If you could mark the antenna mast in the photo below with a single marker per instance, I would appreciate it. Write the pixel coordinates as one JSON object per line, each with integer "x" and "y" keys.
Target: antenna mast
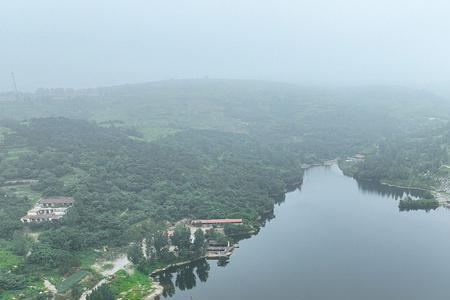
{"x": 15, "y": 85}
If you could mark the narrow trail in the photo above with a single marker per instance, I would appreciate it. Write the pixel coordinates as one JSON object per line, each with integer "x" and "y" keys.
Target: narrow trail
{"x": 119, "y": 263}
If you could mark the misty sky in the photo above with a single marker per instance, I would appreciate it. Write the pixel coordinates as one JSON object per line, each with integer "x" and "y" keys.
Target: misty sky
{"x": 87, "y": 43}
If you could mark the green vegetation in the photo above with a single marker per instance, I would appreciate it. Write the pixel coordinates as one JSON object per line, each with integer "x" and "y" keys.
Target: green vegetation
{"x": 108, "y": 266}
{"x": 186, "y": 276}
{"x": 71, "y": 281}
{"x": 21, "y": 287}
{"x": 414, "y": 160}
{"x": 103, "y": 292}
{"x": 237, "y": 230}
{"x": 217, "y": 236}
{"x": 87, "y": 258}
{"x": 8, "y": 259}
{"x": 424, "y": 204}
{"x": 3, "y": 133}
{"x": 313, "y": 123}
{"x": 133, "y": 286}
{"x": 22, "y": 191}
{"x": 12, "y": 208}
{"x": 156, "y": 252}
{"x": 135, "y": 157}
{"x": 119, "y": 183}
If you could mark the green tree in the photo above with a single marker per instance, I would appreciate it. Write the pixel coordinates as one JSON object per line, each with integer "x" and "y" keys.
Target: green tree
{"x": 135, "y": 254}
{"x": 19, "y": 244}
{"x": 181, "y": 237}
{"x": 199, "y": 240}
{"x": 103, "y": 292}
{"x": 160, "y": 241}
{"x": 50, "y": 258}
{"x": 9, "y": 281}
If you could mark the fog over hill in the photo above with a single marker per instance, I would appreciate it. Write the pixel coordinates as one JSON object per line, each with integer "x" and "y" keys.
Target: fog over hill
{"x": 82, "y": 43}
{"x": 328, "y": 120}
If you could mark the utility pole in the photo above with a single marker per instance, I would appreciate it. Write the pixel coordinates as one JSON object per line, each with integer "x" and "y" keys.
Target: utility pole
{"x": 16, "y": 92}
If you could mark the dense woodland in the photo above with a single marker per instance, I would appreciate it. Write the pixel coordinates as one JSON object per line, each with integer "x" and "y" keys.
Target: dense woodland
{"x": 419, "y": 159}
{"x": 120, "y": 182}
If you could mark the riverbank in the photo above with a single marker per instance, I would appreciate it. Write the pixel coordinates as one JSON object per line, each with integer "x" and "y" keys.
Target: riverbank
{"x": 209, "y": 256}
{"x": 441, "y": 193}
{"x": 158, "y": 290}
{"x": 174, "y": 265}
{"x": 219, "y": 252}
{"x": 404, "y": 186}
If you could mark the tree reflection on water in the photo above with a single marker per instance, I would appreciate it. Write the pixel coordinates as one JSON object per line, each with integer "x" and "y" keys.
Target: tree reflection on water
{"x": 390, "y": 191}
{"x": 185, "y": 277}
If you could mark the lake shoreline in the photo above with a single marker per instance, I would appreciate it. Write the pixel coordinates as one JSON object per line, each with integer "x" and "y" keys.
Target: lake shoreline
{"x": 333, "y": 245}
{"x": 404, "y": 187}
{"x": 158, "y": 289}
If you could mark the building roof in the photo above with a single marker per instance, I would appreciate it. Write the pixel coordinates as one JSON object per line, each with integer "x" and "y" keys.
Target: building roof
{"x": 216, "y": 221}
{"x": 42, "y": 216}
{"x": 57, "y": 200}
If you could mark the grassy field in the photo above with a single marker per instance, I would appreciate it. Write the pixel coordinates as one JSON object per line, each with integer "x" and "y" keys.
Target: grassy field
{"x": 87, "y": 258}
{"x": 131, "y": 287}
{"x": 7, "y": 259}
{"x": 71, "y": 281}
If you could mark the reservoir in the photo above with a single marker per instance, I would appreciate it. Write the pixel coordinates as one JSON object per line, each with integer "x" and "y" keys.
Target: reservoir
{"x": 331, "y": 239}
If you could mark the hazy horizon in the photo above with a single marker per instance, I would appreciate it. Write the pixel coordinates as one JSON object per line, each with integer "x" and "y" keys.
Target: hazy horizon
{"x": 50, "y": 44}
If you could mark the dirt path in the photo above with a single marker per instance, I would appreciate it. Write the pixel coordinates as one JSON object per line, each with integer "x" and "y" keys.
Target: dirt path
{"x": 119, "y": 263}
{"x": 50, "y": 287}
{"x": 88, "y": 292}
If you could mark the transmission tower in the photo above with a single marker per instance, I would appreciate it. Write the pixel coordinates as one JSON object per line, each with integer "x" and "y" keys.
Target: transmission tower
{"x": 16, "y": 92}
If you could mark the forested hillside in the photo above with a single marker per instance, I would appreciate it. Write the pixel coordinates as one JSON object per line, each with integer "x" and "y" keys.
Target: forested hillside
{"x": 136, "y": 157}
{"x": 419, "y": 159}
{"x": 121, "y": 182}
{"x": 325, "y": 122}
{"x": 197, "y": 173}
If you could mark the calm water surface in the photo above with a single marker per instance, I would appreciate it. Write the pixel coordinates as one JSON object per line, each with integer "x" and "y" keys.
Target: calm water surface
{"x": 333, "y": 239}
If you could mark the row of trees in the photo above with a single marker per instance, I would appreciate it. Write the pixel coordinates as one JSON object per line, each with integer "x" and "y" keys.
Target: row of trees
{"x": 155, "y": 248}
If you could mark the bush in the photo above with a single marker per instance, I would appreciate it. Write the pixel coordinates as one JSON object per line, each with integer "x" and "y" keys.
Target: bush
{"x": 71, "y": 281}
{"x": 10, "y": 281}
{"x": 237, "y": 229}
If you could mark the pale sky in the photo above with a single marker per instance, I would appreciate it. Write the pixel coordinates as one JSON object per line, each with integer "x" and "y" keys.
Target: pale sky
{"x": 88, "y": 43}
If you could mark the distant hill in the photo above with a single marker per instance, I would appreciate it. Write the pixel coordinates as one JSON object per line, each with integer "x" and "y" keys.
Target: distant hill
{"x": 269, "y": 111}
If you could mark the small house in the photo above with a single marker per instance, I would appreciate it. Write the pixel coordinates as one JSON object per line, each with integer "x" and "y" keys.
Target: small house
{"x": 56, "y": 202}
{"x": 40, "y": 218}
